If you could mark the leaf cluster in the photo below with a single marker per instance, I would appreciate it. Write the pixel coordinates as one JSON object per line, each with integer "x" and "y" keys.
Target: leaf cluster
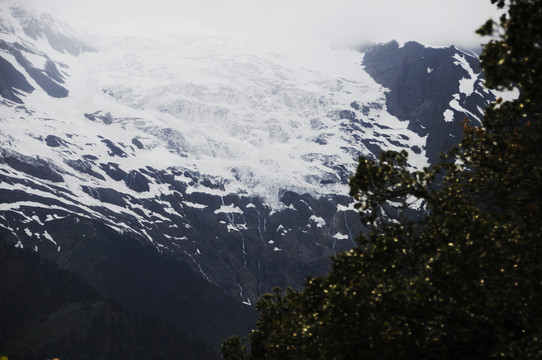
{"x": 450, "y": 268}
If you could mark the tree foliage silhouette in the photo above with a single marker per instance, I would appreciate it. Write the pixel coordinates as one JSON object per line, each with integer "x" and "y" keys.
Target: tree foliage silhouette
{"x": 462, "y": 281}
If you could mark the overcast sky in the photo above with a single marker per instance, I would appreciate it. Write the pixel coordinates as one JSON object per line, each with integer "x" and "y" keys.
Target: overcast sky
{"x": 333, "y": 22}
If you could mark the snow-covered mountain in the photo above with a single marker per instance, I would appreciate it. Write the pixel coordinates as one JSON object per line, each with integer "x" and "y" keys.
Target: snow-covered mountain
{"x": 213, "y": 152}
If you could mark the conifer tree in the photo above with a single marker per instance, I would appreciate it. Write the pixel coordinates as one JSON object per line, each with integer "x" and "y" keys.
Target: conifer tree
{"x": 463, "y": 281}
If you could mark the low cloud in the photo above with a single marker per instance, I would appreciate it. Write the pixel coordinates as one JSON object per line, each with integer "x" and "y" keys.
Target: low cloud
{"x": 289, "y": 22}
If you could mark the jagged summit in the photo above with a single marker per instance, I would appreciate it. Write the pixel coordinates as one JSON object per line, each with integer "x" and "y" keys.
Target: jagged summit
{"x": 424, "y": 91}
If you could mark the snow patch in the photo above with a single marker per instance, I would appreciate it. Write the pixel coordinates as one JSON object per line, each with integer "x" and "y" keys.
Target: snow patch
{"x": 318, "y": 221}
{"x": 229, "y": 209}
{"x": 282, "y": 230}
{"x": 466, "y": 85}
{"x": 49, "y": 237}
{"x": 231, "y": 228}
{"x": 194, "y": 205}
{"x": 350, "y": 207}
{"x": 340, "y": 236}
{"x": 37, "y": 219}
{"x": 448, "y": 115}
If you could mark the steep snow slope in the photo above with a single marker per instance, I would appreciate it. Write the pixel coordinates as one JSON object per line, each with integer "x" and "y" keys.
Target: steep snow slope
{"x": 260, "y": 123}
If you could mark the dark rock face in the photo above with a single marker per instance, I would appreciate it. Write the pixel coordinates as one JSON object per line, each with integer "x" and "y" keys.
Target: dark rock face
{"x": 52, "y": 71}
{"x": 40, "y": 76}
{"x": 32, "y": 166}
{"x": 136, "y": 181}
{"x": 235, "y": 241}
{"x": 114, "y": 150}
{"x": 132, "y": 272}
{"x": 11, "y": 81}
{"x": 347, "y": 114}
{"x": 114, "y": 171}
{"x": 84, "y": 167}
{"x": 137, "y": 144}
{"x": 54, "y": 141}
{"x": 422, "y": 83}
{"x": 98, "y": 115}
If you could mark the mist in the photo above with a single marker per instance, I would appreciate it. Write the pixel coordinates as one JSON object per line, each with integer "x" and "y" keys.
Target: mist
{"x": 337, "y": 23}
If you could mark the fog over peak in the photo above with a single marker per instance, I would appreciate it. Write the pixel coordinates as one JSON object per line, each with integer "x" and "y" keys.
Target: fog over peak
{"x": 339, "y": 23}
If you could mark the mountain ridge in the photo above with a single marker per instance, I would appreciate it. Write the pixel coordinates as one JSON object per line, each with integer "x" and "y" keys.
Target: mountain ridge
{"x": 231, "y": 162}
